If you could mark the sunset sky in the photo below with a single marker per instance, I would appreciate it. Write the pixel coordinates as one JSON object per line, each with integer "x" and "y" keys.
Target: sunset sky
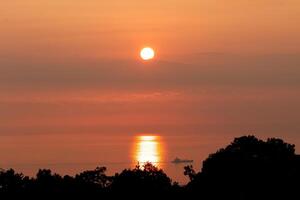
{"x": 73, "y": 88}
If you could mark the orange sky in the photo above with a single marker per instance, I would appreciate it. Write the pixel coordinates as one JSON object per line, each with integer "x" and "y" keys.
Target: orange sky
{"x": 117, "y": 29}
{"x": 71, "y": 76}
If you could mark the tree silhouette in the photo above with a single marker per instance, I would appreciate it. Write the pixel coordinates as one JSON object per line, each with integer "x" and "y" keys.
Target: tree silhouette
{"x": 93, "y": 182}
{"x": 248, "y": 168}
{"x": 147, "y": 179}
{"x": 190, "y": 172}
{"x": 10, "y": 181}
{"x": 95, "y": 177}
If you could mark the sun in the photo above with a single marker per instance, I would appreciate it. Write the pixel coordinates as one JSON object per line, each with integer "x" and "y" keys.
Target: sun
{"x": 147, "y": 53}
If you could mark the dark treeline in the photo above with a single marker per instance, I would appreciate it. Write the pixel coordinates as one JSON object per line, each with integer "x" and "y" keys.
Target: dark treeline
{"x": 248, "y": 168}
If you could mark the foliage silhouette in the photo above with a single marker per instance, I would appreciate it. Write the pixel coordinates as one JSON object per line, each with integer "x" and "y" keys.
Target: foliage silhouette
{"x": 248, "y": 168}
{"x": 146, "y": 179}
{"x": 10, "y": 181}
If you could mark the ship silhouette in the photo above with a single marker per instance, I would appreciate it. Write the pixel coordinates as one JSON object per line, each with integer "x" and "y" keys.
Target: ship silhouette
{"x": 178, "y": 160}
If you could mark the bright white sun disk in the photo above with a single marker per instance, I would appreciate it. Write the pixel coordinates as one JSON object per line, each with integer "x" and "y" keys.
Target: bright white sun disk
{"x": 147, "y": 53}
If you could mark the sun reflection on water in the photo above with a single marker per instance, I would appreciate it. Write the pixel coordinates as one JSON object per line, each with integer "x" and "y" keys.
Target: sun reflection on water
{"x": 148, "y": 148}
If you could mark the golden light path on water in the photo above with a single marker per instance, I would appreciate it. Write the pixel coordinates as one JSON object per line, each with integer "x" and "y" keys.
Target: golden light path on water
{"x": 148, "y": 148}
